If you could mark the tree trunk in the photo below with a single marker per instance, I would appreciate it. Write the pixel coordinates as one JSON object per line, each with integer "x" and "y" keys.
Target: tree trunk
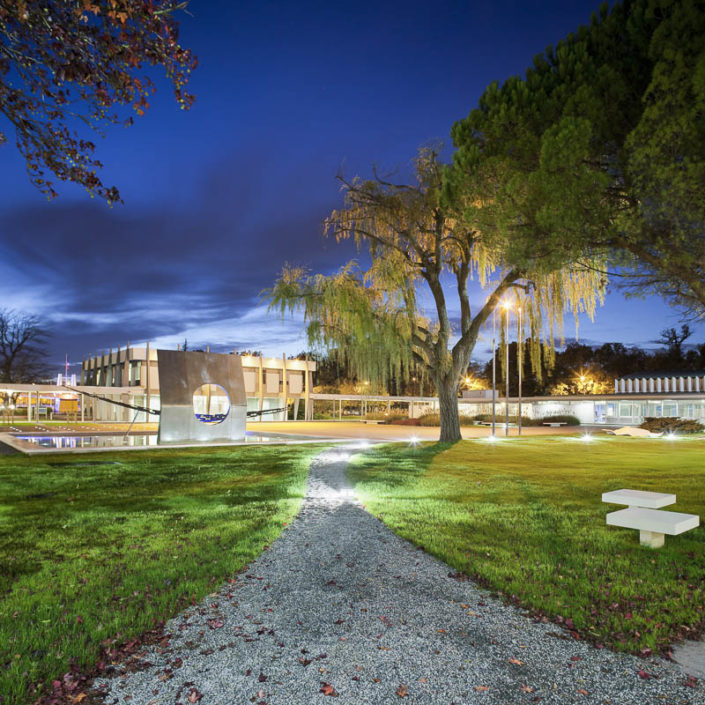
{"x": 448, "y": 402}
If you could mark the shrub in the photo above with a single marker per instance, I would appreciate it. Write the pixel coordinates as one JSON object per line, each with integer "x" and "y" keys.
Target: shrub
{"x": 671, "y": 425}
{"x": 435, "y": 420}
{"x": 568, "y": 419}
{"x": 392, "y": 417}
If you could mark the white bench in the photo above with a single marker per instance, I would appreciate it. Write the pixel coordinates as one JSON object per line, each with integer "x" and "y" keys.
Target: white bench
{"x": 642, "y": 513}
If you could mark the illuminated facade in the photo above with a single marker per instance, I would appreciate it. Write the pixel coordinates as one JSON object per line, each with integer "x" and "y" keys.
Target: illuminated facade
{"x": 270, "y": 382}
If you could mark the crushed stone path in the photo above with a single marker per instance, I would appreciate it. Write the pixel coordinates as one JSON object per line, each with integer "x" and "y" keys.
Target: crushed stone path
{"x": 340, "y": 610}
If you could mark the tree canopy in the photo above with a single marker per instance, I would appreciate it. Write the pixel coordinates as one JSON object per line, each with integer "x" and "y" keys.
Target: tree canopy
{"x": 70, "y": 64}
{"x": 600, "y": 148}
{"x": 398, "y": 311}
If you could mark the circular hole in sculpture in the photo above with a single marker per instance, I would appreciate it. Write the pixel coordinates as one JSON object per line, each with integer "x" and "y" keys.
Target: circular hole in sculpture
{"x": 211, "y": 404}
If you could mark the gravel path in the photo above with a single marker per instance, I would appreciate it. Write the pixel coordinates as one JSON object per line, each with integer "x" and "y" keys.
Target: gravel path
{"x": 341, "y": 607}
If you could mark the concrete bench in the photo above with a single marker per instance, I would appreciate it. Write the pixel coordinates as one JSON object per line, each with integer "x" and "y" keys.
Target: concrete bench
{"x": 555, "y": 424}
{"x": 653, "y": 524}
{"x": 639, "y": 498}
{"x": 642, "y": 513}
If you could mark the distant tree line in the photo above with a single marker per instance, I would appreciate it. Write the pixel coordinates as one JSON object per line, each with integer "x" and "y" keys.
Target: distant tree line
{"x": 591, "y": 369}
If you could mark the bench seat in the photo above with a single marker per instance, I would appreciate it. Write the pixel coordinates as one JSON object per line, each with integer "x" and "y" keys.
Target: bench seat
{"x": 653, "y": 523}
{"x": 639, "y": 498}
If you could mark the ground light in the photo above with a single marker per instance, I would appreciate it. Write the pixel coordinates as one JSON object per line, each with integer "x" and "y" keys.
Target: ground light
{"x": 414, "y": 441}
{"x": 670, "y": 436}
{"x": 586, "y": 437}
{"x": 492, "y": 439}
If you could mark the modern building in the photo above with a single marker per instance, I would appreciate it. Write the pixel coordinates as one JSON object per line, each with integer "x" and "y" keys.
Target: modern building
{"x": 270, "y": 382}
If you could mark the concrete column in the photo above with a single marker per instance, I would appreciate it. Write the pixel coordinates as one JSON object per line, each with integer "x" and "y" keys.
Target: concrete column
{"x": 630, "y": 386}
{"x": 696, "y": 384}
{"x": 622, "y": 386}
{"x": 147, "y": 388}
{"x": 690, "y": 384}
{"x": 126, "y": 367}
{"x": 285, "y": 413}
{"x": 636, "y": 385}
{"x": 616, "y": 386}
{"x": 261, "y": 385}
{"x": 658, "y": 384}
{"x": 651, "y": 385}
{"x": 308, "y": 411}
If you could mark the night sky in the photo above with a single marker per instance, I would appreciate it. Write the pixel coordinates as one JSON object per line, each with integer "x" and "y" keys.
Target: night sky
{"x": 218, "y": 198}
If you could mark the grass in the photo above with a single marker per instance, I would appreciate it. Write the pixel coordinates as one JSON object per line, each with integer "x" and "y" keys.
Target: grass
{"x": 98, "y": 548}
{"x": 524, "y": 518}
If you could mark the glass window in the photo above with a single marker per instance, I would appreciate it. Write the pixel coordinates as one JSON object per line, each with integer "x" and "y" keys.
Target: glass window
{"x": 670, "y": 408}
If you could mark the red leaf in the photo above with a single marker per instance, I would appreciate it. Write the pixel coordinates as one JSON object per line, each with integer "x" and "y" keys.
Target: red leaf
{"x": 582, "y": 691}
{"x": 402, "y": 691}
{"x": 527, "y": 688}
{"x": 328, "y": 689}
{"x": 643, "y": 674}
{"x": 194, "y": 695}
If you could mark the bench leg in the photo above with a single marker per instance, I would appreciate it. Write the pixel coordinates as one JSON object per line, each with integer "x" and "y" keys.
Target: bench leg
{"x": 652, "y": 539}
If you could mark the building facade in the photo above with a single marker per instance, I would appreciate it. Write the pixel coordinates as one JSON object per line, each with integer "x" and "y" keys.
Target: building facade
{"x": 270, "y": 382}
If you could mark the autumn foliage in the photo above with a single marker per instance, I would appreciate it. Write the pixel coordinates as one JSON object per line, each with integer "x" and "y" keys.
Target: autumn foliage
{"x": 82, "y": 64}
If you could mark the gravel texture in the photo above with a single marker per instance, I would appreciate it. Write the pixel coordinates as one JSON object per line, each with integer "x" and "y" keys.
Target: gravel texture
{"x": 339, "y": 607}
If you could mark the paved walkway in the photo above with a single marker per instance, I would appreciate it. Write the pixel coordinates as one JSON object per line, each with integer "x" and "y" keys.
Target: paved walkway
{"x": 339, "y": 607}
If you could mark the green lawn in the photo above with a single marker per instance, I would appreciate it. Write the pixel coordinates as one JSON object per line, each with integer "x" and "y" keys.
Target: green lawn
{"x": 103, "y": 546}
{"x": 524, "y": 517}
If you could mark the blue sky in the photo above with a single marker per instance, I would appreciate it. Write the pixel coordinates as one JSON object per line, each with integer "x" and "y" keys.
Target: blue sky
{"x": 219, "y": 197}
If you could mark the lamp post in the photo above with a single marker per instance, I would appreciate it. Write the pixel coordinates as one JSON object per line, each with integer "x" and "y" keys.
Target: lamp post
{"x": 494, "y": 372}
{"x": 520, "y": 361}
{"x": 506, "y": 308}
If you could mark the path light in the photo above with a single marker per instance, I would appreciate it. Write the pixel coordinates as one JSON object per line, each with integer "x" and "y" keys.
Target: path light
{"x": 491, "y": 439}
{"x": 586, "y": 437}
{"x": 414, "y": 441}
{"x": 670, "y": 436}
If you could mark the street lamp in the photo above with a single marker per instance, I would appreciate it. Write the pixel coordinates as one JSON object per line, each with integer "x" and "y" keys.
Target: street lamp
{"x": 519, "y": 361}
{"x": 506, "y": 306}
{"x": 494, "y": 372}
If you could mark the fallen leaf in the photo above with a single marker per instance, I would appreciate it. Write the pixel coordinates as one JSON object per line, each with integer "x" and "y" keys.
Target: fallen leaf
{"x": 402, "y": 691}
{"x": 194, "y": 695}
{"x": 482, "y": 688}
{"x": 582, "y": 691}
{"x": 643, "y": 674}
{"x": 575, "y": 658}
{"x": 516, "y": 662}
{"x": 328, "y": 689}
{"x": 527, "y": 688}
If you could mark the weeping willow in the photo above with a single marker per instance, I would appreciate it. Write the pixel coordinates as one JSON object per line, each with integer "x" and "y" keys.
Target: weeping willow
{"x": 373, "y": 316}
